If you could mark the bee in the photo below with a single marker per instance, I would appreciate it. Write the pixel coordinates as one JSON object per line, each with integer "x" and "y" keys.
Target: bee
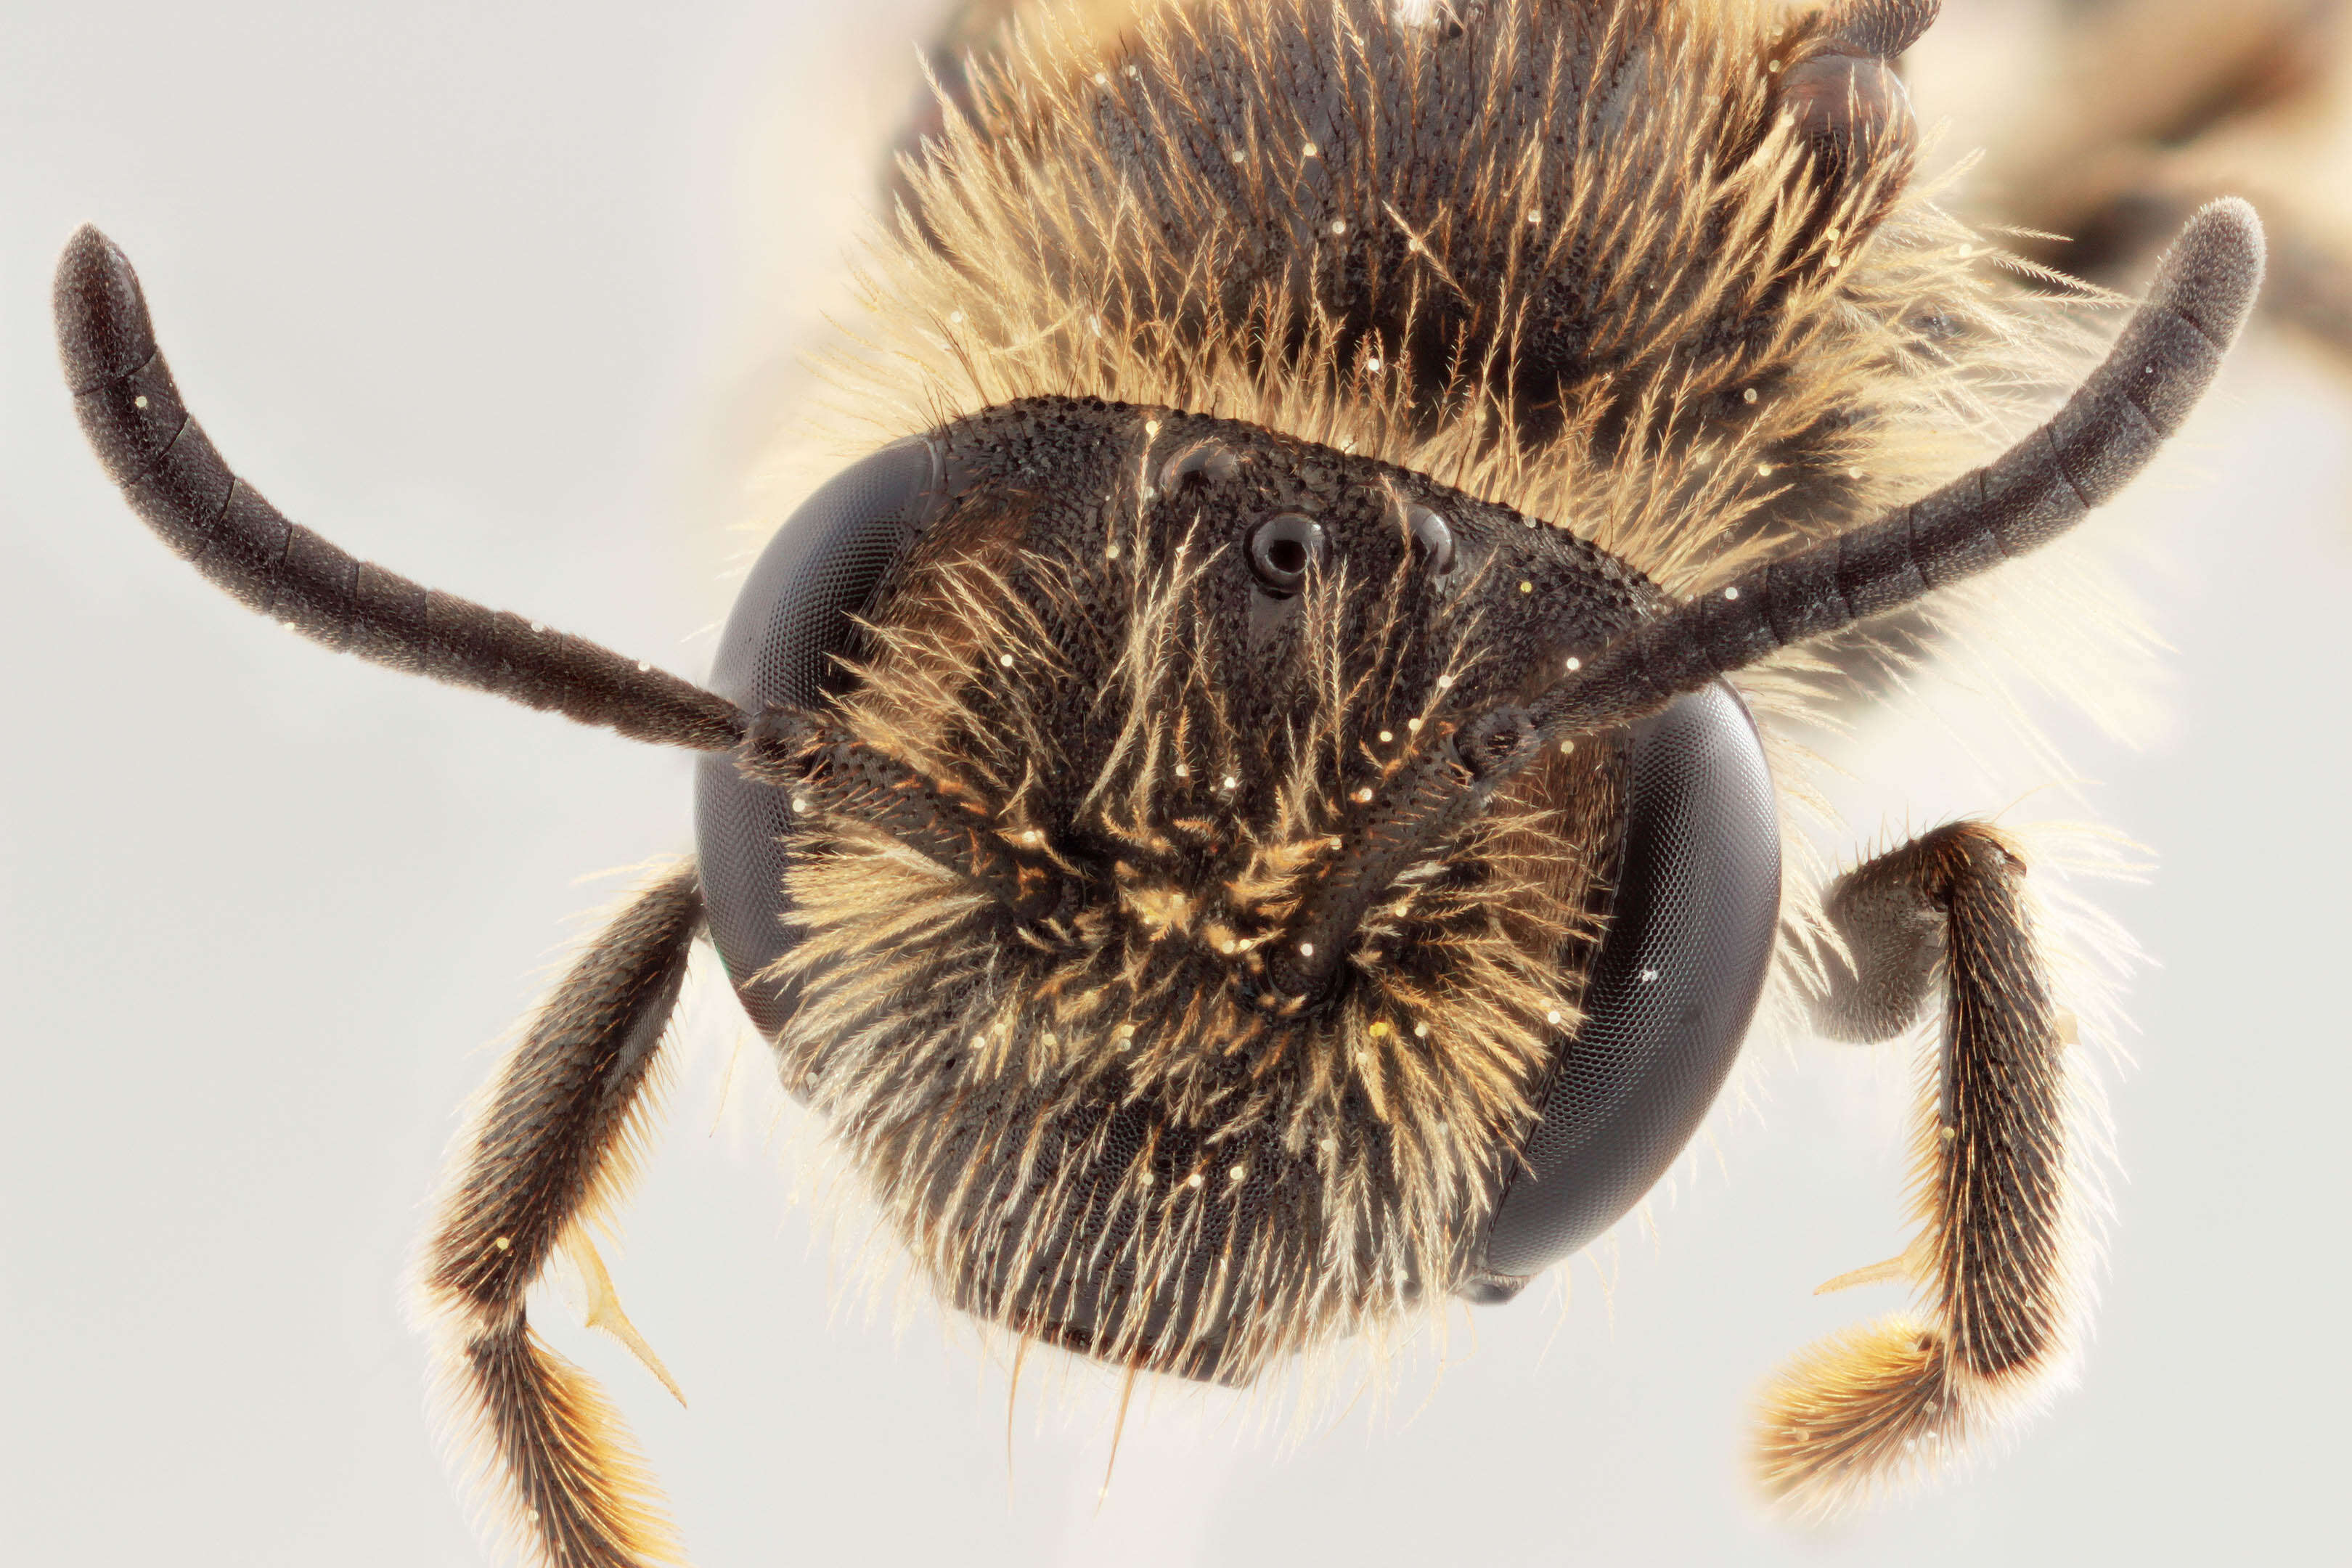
{"x": 1263, "y": 809}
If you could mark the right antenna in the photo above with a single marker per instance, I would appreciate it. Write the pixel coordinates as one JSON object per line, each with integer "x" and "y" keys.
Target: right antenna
{"x": 2093, "y": 446}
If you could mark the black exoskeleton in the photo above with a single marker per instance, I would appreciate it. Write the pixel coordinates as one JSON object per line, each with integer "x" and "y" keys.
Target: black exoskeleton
{"x": 1244, "y": 818}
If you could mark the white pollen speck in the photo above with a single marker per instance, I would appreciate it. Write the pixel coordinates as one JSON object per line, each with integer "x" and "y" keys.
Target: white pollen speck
{"x": 1445, "y": 683}
{"x": 1648, "y": 975}
{"x": 1150, "y": 494}
{"x": 1966, "y": 250}
{"x": 1386, "y": 736}
{"x": 1552, "y": 1016}
{"x": 1125, "y": 1031}
{"x": 1112, "y": 553}
{"x": 1194, "y": 1180}
{"x": 1568, "y": 748}
{"x": 1525, "y": 586}
{"x": 1329, "y": 1145}
{"x": 1772, "y": 66}
{"x": 1152, "y": 426}
{"x": 1229, "y": 948}
{"x": 1832, "y": 232}
{"x": 1230, "y": 783}
{"x": 1414, "y": 725}
{"x": 1310, "y": 151}
{"x": 956, "y": 318}
{"x": 287, "y": 627}
{"x": 1765, "y": 469}
{"x": 1364, "y": 797}
{"x": 1101, "y": 80}
{"x": 1535, "y": 215}
{"x": 1135, "y": 73}
{"x": 1421, "y": 1031}
{"x": 1854, "y": 473}
{"x": 980, "y": 1042}
{"x": 1051, "y": 1039}
{"x": 1238, "y": 1172}
{"x": 1338, "y": 226}
{"x": 1005, "y": 659}
{"x": 1373, "y": 364}
{"x": 1413, "y": 246}
{"x": 503, "y": 1244}
{"x": 1182, "y": 772}
{"x": 1574, "y": 665}
{"x": 1306, "y": 950}
{"x": 643, "y": 669}
{"x": 1238, "y": 156}
{"x": 1731, "y": 593}
{"x": 1748, "y": 396}
{"x": 539, "y": 625}
{"x": 1143, "y": 1178}
{"x": 139, "y": 401}
{"x": 800, "y": 803}
{"x": 1031, "y": 835}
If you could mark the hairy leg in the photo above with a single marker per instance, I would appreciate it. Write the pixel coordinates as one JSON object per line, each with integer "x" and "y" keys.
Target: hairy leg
{"x": 551, "y": 1147}
{"x": 1992, "y": 1262}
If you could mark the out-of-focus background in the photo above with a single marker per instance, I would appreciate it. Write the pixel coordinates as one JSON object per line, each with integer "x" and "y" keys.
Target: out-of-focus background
{"x": 509, "y": 298}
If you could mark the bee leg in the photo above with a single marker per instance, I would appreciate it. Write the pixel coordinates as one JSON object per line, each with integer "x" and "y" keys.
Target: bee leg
{"x": 1992, "y": 1262}
{"x": 552, "y": 1146}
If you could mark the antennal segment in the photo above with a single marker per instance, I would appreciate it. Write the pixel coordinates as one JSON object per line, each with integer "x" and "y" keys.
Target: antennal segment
{"x": 2158, "y": 368}
{"x": 180, "y": 486}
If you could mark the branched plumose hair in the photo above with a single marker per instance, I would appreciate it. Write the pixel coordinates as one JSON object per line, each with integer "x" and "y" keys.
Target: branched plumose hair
{"x": 1253, "y": 809}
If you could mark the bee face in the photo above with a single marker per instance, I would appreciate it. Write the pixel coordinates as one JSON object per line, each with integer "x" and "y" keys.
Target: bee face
{"x": 1146, "y": 948}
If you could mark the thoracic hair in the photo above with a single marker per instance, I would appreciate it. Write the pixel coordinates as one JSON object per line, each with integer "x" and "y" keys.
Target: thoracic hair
{"x": 1581, "y": 259}
{"x": 1578, "y": 255}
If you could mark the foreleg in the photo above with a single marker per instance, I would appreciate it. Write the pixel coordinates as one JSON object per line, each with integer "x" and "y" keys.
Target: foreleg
{"x": 551, "y": 1147}
{"x": 1992, "y": 1262}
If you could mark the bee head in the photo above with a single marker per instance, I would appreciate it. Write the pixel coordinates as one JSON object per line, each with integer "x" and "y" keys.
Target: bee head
{"x": 1141, "y": 775}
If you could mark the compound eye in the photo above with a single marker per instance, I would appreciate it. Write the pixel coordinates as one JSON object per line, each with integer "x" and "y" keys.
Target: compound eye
{"x": 1282, "y": 549}
{"x": 1434, "y": 538}
{"x": 798, "y": 612}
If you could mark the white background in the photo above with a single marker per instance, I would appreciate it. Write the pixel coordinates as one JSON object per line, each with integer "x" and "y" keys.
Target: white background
{"x": 508, "y": 299}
